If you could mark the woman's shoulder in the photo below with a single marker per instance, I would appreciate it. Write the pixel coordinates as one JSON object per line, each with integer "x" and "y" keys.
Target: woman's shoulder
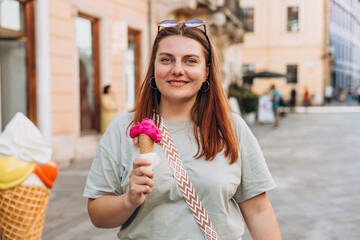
{"x": 239, "y": 124}
{"x": 122, "y": 121}
{"x": 237, "y": 119}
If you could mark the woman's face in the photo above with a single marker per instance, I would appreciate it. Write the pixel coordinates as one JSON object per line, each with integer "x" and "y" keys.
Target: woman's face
{"x": 180, "y": 69}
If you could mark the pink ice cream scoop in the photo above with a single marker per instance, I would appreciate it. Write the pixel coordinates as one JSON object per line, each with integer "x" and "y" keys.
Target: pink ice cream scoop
{"x": 148, "y": 127}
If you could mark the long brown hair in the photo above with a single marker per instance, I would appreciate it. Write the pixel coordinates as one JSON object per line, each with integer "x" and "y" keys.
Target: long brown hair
{"x": 211, "y": 112}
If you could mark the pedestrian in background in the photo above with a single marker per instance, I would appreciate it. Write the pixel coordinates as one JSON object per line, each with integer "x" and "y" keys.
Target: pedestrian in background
{"x": 223, "y": 159}
{"x": 349, "y": 95}
{"x": 358, "y": 94}
{"x": 276, "y": 99}
{"x": 328, "y": 93}
{"x": 292, "y": 99}
{"x": 307, "y": 102}
{"x": 341, "y": 94}
{"x": 108, "y": 107}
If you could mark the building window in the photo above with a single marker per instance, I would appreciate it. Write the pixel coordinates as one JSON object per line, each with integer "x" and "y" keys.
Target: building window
{"x": 133, "y": 65}
{"x": 247, "y": 70}
{"x": 87, "y": 41}
{"x": 17, "y": 60}
{"x": 292, "y": 19}
{"x": 248, "y": 19}
{"x": 291, "y": 73}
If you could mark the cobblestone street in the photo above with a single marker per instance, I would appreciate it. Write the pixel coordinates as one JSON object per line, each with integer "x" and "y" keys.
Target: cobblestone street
{"x": 313, "y": 156}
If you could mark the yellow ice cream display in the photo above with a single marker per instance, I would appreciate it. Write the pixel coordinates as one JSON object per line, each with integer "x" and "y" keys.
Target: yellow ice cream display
{"x": 13, "y": 171}
{"x": 27, "y": 174}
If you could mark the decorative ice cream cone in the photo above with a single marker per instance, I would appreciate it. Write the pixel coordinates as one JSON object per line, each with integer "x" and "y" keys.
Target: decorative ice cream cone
{"x": 22, "y": 212}
{"x": 146, "y": 144}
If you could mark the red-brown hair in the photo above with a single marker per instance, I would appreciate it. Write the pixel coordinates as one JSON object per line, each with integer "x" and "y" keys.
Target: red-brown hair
{"x": 211, "y": 112}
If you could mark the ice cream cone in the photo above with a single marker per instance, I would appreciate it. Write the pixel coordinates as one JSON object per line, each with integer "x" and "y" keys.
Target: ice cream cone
{"x": 146, "y": 144}
{"x": 22, "y": 212}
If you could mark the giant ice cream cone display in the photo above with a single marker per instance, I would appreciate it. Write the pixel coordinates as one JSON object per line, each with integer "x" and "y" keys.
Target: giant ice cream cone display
{"x": 148, "y": 134}
{"x": 27, "y": 173}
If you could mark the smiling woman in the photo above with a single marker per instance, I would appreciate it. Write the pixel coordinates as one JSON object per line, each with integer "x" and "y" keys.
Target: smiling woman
{"x": 201, "y": 140}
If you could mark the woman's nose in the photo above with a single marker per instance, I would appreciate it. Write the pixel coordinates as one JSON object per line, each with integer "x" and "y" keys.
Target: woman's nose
{"x": 178, "y": 69}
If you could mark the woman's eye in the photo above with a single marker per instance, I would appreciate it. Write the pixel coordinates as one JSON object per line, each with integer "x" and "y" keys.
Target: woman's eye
{"x": 165, "y": 60}
{"x": 191, "y": 61}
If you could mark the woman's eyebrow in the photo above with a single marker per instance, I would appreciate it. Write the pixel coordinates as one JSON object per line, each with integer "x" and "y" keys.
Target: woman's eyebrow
{"x": 186, "y": 56}
{"x": 166, "y": 54}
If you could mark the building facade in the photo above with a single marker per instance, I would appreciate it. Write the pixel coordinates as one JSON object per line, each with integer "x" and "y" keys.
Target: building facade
{"x": 289, "y": 37}
{"x": 344, "y": 34}
{"x": 57, "y": 55}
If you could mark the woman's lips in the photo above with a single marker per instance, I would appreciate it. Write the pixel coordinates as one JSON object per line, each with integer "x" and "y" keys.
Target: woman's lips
{"x": 176, "y": 83}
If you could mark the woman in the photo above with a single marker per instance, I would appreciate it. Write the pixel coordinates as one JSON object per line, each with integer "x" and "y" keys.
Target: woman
{"x": 220, "y": 154}
{"x": 108, "y": 108}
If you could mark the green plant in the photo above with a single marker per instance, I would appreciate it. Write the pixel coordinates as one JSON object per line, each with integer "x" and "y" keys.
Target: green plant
{"x": 247, "y": 100}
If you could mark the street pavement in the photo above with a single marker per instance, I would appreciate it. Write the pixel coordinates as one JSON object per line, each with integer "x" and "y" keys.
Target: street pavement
{"x": 314, "y": 157}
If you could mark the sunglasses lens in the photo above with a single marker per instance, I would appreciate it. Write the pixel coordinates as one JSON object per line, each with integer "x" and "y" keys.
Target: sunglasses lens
{"x": 194, "y": 23}
{"x": 168, "y": 23}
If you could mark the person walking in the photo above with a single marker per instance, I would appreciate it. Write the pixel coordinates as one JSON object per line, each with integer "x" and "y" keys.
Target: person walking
{"x": 293, "y": 99}
{"x": 349, "y": 95}
{"x": 182, "y": 92}
{"x": 108, "y": 107}
{"x": 328, "y": 93}
{"x": 358, "y": 94}
{"x": 276, "y": 99}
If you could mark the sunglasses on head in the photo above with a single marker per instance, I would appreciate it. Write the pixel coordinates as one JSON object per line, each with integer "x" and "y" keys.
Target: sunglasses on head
{"x": 174, "y": 23}
{"x": 189, "y": 23}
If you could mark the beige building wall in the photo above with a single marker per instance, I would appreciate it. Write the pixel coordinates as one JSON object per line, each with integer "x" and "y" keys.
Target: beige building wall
{"x": 270, "y": 47}
{"x": 115, "y": 19}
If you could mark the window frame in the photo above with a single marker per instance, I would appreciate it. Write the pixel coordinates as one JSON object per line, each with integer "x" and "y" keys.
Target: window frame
{"x": 288, "y": 27}
{"x": 135, "y": 36}
{"x": 296, "y": 77}
{"x": 27, "y": 35}
{"x": 249, "y": 20}
{"x": 95, "y": 31}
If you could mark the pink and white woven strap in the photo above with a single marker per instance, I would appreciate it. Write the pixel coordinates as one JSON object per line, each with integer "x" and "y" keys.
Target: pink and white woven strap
{"x": 185, "y": 185}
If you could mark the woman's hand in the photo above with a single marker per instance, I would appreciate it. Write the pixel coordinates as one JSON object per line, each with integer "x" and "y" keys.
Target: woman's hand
{"x": 141, "y": 181}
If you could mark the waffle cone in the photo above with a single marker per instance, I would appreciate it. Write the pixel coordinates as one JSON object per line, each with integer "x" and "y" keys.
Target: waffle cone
{"x": 146, "y": 144}
{"x": 22, "y": 212}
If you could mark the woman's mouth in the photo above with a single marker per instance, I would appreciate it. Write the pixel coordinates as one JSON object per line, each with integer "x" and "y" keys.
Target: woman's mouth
{"x": 177, "y": 83}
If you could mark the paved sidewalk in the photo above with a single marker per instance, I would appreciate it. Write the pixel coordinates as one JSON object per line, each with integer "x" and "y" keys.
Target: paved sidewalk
{"x": 313, "y": 157}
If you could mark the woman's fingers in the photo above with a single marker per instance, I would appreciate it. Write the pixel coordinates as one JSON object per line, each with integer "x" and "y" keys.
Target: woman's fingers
{"x": 140, "y": 180}
{"x": 140, "y": 167}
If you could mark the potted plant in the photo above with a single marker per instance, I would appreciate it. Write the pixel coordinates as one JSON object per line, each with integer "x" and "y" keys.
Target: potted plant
{"x": 247, "y": 100}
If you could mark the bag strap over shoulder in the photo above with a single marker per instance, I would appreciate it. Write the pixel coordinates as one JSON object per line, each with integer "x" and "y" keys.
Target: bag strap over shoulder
{"x": 185, "y": 185}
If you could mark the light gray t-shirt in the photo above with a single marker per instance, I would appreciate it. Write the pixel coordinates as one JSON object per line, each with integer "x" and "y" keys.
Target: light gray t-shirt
{"x": 165, "y": 214}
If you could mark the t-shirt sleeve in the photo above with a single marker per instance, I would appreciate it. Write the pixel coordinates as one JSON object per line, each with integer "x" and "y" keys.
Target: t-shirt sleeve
{"x": 255, "y": 175}
{"x": 106, "y": 175}
{"x": 103, "y": 177}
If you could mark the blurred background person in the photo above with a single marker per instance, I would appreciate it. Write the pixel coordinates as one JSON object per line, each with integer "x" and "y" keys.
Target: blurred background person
{"x": 349, "y": 95}
{"x": 328, "y": 93}
{"x": 306, "y": 97}
{"x": 276, "y": 98}
{"x": 358, "y": 94}
{"x": 108, "y": 107}
{"x": 341, "y": 94}
{"x": 293, "y": 99}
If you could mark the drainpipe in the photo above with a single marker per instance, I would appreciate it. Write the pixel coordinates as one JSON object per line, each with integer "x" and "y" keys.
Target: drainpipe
{"x": 43, "y": 81}
{"x": 150, "y": 24}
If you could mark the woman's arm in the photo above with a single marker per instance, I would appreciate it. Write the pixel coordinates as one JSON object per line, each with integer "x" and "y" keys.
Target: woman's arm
{"x": 112, "y": 211}
{"x": 260, "y": 218}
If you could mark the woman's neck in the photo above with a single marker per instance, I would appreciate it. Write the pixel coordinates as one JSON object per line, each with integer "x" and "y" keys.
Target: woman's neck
{"x": 175, "y": 112}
